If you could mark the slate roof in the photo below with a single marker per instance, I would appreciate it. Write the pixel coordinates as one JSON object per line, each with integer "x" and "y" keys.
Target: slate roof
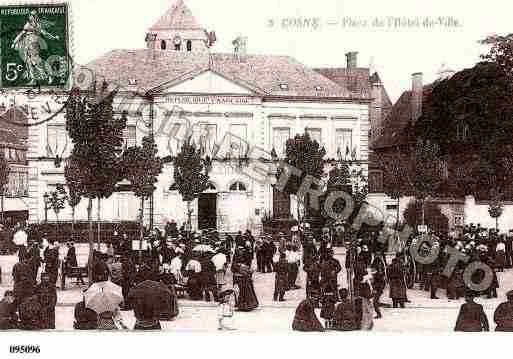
{"x": 398, "y": 123}
{"x": 356, "y": 80}
{"x": 262, "y": 74}
{"x": 178, "y": 17}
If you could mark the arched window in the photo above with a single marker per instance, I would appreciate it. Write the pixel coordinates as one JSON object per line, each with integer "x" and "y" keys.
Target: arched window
{"x": 211, "y": 187}
{"x": 163, "y": 44}
{"x": 238, "y": 186}
{"x": 189, "y": 45}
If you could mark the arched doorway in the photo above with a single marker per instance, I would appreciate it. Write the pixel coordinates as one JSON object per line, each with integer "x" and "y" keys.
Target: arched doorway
{"x": 207, "y": 208}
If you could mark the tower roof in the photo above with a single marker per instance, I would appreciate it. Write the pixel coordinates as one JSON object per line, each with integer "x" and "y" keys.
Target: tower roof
{"x": 178, "y": 17}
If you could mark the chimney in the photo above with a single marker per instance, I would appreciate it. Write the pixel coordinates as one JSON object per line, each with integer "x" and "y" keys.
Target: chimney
{"x": 416, "y": 96}
{"x": 239, "y": 48}
{"x": 352, "y": 60}
{"x": 376, "y": 113}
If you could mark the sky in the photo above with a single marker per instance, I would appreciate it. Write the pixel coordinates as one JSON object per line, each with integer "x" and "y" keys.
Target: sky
{"x": 395, "y": 50}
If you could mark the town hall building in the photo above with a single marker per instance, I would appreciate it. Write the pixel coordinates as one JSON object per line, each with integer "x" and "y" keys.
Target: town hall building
{"x": 239, "y": 107}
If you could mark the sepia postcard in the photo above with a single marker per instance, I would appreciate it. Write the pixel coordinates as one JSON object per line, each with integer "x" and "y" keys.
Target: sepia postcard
{"x": 186, "y": 168}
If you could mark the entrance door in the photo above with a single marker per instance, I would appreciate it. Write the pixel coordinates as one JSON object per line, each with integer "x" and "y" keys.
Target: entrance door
{"x": 281, "y": 204}
{"x": 207, "y": 210}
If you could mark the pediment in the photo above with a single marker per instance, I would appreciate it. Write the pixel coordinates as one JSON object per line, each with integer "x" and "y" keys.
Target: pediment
{"x": 206, "y": 82}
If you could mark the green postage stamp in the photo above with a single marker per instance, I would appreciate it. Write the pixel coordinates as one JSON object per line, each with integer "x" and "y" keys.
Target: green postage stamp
{"x": 34, "y": 46}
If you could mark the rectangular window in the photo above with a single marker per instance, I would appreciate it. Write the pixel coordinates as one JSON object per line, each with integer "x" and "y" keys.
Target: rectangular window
{"x": 207, "y": 138}
{"x": 238, "y": 140}
{"x": 130, "y": 136}
{"x": 178, "y": 132}
{"x": 376, "y": 182}
{"x": 56, "y": 140}
{"x": 18, "y": 184}
{"x": 344, "y": 141}
{"x": 315, "y": 134}
{"x": 280, "y": 137}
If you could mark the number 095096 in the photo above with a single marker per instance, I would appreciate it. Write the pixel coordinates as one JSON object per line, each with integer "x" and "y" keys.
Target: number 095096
{"x": 24, "y": 349}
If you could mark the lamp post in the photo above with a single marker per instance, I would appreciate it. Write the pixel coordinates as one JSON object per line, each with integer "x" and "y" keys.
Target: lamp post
{"x": 46, "y": 198}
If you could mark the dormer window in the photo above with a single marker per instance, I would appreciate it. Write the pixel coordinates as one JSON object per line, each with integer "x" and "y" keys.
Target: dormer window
{"x": 163, "y": 44}
{"x": 284, "y": 87}
{"x": 132, "y": 82}
{"x": 177, "y": 41}
{"x": 318, "y": 88}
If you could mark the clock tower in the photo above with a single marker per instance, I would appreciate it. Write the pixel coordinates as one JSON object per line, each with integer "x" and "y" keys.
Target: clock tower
{"x": 178, "y": 30}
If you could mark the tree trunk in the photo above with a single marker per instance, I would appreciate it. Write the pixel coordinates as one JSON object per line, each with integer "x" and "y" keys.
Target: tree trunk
{"x": 91, "y": 240}
{"x": 57, "y": 227}
{"x": 298, "y": 210}
{"x": 98, "y": 224}
{"x": 2, "y": 204}
{"x": 422, "y": 211}
{"x": 141, "y": 228}
{"x": 189, "y": 218}
{"x": 73, "y": 222}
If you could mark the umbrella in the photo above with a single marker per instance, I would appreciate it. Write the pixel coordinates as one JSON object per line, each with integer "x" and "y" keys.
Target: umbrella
{"x": 150, "y": 296}
{"x": 203, "y": 248}
{"x": 103, "y": 297}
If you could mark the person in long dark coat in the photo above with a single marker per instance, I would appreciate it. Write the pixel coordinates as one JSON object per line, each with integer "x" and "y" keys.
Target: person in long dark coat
{"x": 8, "y": 316}
{"x": 51, "y": 256}
{"x": 397, "y": 284}
{"x": 471, "y": 317}
{"x": 246, "y": 299}
{"x": 345, "y": 317}
{"x": 23, "y": 281}
{"x": 34, "y": 258}
{"x": 208, "y": 277}
{"x": 85, "y": 318}
{"x": 503, "y": 315}
{"x": 281, "y": 278}
{"x": 305, "y": 319}
{"x": 313, "y": 285}
{"x": 71, "y": 256}
{"x": 378, "y": 281}
{"x": 31, "y": 317}
{"x": 47, "y": 296}
{"x": 128, "y": 279}
{"x": 309, "y": 251}
{"x": 330, "y": 267}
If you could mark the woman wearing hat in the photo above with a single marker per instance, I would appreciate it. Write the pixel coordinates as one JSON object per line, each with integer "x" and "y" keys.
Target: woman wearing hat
{"x": 305, "y": 319}
{"x": 471, "y": 317}
{"x": 503, "y": 315}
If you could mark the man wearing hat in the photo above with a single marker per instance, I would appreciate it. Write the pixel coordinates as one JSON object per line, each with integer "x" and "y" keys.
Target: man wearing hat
{"x": 471, "y": 317}
{"x": 8, "y": 316}
{"x": 508, "y": 241}
{"x": 503, "y": 315}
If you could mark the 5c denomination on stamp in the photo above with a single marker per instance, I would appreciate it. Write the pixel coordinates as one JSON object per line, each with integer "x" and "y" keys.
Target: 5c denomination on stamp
{"x": 34, "y": 46}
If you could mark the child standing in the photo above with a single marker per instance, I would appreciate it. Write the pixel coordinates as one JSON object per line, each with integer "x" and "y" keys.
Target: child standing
{"x": 225, "y": 309}
{"x": 329, "y": 300}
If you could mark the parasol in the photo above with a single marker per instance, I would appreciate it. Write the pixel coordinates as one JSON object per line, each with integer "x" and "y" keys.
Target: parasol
{"x": 103, "y": 297}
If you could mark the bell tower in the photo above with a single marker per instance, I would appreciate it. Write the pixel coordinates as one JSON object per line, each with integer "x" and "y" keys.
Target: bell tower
{"x": 178, "y": 30}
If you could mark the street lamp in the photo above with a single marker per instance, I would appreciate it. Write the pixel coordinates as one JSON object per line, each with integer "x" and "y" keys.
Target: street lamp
{"x": 46, "y": 198}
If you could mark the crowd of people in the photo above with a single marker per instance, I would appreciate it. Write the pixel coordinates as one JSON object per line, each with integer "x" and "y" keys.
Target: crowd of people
{"x": 208, "y": 266}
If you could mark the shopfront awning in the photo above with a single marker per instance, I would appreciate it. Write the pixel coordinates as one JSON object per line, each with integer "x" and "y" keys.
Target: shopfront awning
{"x": 15, "y": 204}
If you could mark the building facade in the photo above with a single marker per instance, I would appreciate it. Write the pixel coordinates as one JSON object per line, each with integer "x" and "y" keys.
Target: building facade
{"x": 239, "y": 108}
{"x": 13, "y": 144}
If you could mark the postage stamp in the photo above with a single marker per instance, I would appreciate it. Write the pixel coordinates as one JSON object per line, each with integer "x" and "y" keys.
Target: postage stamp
{"x": 34, "y": 46}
